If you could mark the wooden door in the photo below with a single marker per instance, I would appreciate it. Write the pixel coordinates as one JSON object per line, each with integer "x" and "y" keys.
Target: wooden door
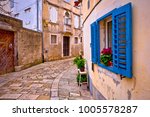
{"x": 6, "y": 51}
{"x": 66, "y": 46}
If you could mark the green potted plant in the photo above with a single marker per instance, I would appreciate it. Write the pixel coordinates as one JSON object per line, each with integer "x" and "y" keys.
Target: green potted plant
{"x": 80, "y": 62}
{"x": 76, "y": 59}
{"x": 83, "y": 78}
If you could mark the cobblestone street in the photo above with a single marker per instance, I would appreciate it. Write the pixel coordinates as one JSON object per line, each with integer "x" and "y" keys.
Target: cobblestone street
{"x": 47, "y": 81}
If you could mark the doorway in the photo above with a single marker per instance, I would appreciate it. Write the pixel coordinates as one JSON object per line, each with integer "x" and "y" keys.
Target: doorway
{"x": 6, "y": 51}
{"x": 66, "y": 46}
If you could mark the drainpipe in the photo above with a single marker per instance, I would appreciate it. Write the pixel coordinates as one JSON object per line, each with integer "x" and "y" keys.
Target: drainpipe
{"x": 37, "y": 1}
{"x": 42, "y": 33}
{"x": 38, "y": 27}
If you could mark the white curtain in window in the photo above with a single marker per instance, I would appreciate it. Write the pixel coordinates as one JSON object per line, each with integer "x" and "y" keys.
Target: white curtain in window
{"x": 53, "y": 15}
{"x": 76, "y": 21}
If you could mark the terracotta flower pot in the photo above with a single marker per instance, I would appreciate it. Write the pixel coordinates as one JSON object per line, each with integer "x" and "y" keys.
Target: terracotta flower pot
{"x": 82, "y": 69}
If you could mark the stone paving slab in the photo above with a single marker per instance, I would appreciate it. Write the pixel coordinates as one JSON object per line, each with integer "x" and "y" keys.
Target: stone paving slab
{"x": 43, "y": 97}
{"x": 28, "y": 97}
{"x": 69, "y": 89}
{"x": 10, "y": 96}
{"x": 50, "y": 80}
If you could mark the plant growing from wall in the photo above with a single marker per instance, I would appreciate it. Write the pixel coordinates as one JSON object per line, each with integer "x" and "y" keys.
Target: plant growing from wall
{"x": 106, "y": 57}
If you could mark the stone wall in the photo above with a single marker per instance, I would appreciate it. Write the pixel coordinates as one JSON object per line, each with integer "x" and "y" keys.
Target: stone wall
{"x": 29, "y": 47}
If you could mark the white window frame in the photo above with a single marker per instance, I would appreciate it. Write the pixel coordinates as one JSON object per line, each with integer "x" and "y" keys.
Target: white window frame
{"x": 76, "y": 17}
{"x": 56, "y": 39}
{"x": 50, "y": 15}
{"x": 106, "y": 29}
{"x": 67, "y": 20}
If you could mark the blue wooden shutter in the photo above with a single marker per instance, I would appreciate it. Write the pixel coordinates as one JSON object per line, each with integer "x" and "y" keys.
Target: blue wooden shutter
{"x": 122, "y": 40}
{"x": 93, "y": 42}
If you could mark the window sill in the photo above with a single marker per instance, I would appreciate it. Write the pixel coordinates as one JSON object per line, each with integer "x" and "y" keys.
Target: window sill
{"x": 76, "y": 7}
{"x": 77, "y": 28}
{"x": 107, "y": 67}
{"x": 54, "y": 23}
{"x": 68, "y": 25}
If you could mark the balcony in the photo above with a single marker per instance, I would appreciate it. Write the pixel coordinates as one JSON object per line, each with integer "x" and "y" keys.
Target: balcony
{"x": 68, "y": 29}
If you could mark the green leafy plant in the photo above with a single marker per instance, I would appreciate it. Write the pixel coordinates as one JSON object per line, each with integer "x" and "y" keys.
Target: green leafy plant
{"x": 83, "y": 78}
{"x": 106, "y": 57}
{"x": 76, "y": 59}
{"x": 80, "y": 62}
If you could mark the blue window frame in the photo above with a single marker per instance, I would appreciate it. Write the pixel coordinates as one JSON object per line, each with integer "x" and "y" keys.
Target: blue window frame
{"x": 121, "y": 41}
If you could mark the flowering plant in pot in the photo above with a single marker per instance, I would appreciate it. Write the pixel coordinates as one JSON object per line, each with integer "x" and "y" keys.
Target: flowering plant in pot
{"x": 106, "y": 57}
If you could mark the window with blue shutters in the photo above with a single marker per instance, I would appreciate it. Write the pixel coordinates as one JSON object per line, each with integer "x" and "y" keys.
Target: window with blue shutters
{"x": 114, "y": 30}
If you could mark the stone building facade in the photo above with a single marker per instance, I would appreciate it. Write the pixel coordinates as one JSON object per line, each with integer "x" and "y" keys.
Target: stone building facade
{"x": 123, "y": 23}
{"x": 5, "y": 7}
{"x": 20, "y": 48}
{"x": 30, "y": 12}
{"x": 62, "y": 31}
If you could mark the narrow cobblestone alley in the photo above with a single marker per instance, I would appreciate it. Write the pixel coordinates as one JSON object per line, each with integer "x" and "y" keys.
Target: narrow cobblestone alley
{"x": 50, "y": 80}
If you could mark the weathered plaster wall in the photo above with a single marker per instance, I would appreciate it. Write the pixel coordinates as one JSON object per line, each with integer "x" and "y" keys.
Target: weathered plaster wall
{"x": 109, "y": 84}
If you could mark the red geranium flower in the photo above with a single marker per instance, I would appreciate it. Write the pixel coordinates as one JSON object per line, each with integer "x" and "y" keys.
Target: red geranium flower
{"x": 109, "y": 63}
{"x": 106, "y": 51}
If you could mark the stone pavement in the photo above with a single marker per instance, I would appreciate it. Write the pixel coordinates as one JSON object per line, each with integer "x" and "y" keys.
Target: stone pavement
{"x": 50, "y": 80}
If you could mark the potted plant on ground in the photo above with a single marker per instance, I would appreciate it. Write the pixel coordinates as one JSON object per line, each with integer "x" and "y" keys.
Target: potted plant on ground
{"x": 83, "y": 78}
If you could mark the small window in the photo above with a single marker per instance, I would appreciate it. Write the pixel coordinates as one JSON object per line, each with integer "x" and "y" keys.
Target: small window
{"x": 76, "y": 40}
{"x": 76, "y": 21}
{"x": 67, "y": 19}
{"x": 16, "y": 15}
{"x": 53, "y": 15}
{"x": 53, "y": 39}
{"x": 81, "y": 40}
{"x": 27, "y": 10}
{"x": 28, "y": 23}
